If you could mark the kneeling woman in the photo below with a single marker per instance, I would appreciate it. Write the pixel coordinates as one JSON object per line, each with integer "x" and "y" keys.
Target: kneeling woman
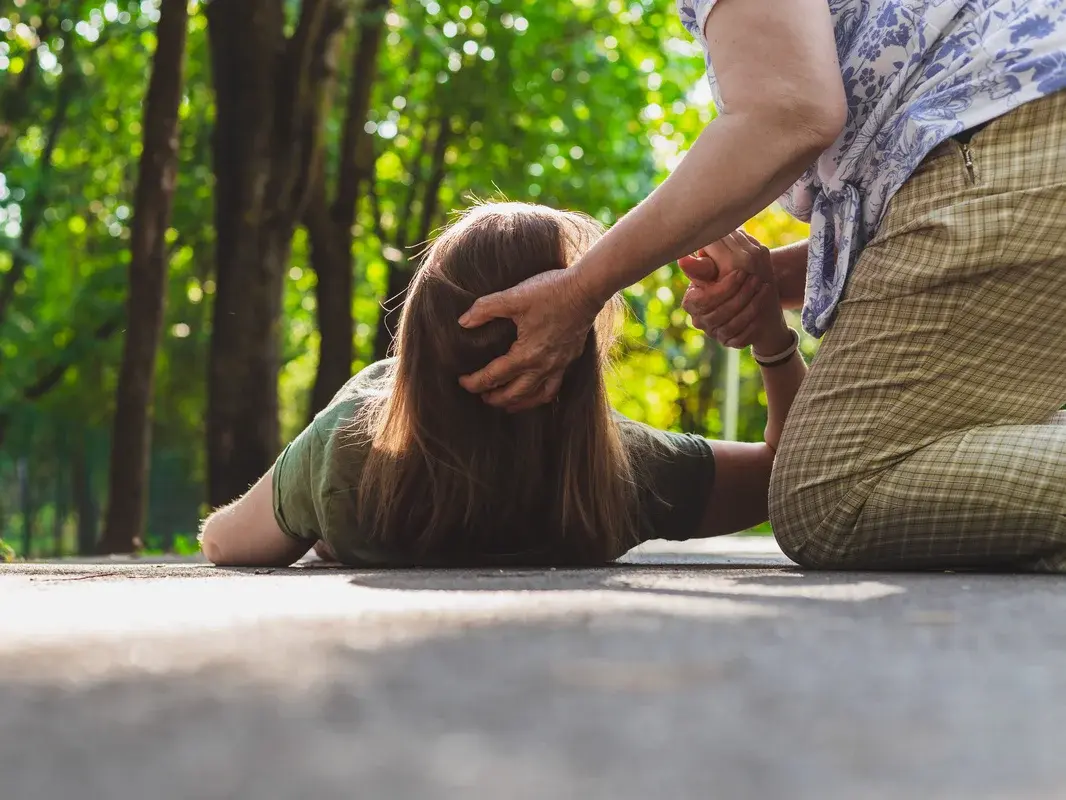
{"x": 407, "y": 468}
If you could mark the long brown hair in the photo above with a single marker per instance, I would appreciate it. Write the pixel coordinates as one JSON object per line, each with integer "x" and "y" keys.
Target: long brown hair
{"x": 451, "y": 479}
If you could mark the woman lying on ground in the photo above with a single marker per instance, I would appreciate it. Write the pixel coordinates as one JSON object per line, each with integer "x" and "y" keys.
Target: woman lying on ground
{"x": 407, "y": 468}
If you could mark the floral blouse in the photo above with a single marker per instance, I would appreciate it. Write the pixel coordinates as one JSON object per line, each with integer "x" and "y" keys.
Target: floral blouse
{"x": 916, "y": 72}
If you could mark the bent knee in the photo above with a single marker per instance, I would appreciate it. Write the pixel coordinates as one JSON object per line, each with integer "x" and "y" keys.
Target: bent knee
{"x": 794, "y": 531}
{"x": 808, "y": 520}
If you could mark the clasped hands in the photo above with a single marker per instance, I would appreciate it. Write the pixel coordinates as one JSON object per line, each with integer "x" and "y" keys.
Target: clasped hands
{"x": 733, "y": 295}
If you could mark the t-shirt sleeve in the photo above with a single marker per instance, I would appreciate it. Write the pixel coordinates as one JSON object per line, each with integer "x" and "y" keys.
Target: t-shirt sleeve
{"x": 676, "y": 473}
{"x": 298, "y": 501}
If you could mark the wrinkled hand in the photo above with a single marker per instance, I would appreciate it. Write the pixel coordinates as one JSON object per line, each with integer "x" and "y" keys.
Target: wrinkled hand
{"x": 553, "y": 316}
{"x": 733, "y": 295}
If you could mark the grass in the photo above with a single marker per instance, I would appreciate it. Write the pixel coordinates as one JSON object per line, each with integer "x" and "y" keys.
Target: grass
{"x": 758, "y": 530}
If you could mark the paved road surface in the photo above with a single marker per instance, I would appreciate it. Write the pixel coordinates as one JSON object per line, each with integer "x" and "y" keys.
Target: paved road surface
{"x": 705, "y": 671}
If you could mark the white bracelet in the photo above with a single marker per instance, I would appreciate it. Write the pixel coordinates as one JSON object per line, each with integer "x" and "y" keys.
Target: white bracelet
{"x": 778, "y": 358}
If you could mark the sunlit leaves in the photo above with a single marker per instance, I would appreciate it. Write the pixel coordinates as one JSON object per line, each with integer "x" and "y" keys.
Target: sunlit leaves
{"x": 581, "y": 104}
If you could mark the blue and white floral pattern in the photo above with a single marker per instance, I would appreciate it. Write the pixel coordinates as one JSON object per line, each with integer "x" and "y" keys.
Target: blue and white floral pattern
{"x": 916, "y": 72}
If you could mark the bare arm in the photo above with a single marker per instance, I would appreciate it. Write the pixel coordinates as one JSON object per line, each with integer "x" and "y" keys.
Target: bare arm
{"x": 245, "y": 533}
{"x": 776, "y": 67}
{"x": 784, "y": 102}
{"x": 739, "y": 497}
{"x": 736, "y": 273}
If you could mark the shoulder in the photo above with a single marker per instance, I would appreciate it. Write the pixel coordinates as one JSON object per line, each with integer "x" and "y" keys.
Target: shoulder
{"x": 370, "y": 383}
{"x": 373, "y": 380}
{"x": 640, "y": 440}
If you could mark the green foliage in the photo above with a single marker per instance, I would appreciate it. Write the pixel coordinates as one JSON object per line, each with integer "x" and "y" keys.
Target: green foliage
{"x": 181, "y": 545}
{"x": 583, "y": 104}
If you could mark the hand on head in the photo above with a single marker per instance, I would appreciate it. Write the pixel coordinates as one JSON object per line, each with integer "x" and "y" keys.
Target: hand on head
{"x": 733, "y": 295}
{"x": 553, "y": 316}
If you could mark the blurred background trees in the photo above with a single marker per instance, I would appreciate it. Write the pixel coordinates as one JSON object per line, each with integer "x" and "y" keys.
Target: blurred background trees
{"x": 318, "y": 144}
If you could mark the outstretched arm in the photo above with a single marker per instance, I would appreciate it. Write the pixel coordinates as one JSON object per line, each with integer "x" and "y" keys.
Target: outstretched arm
{"x": 784, "y": 101}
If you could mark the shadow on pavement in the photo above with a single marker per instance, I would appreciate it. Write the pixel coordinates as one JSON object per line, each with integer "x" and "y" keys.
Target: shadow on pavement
{"x": 810, "y": 697}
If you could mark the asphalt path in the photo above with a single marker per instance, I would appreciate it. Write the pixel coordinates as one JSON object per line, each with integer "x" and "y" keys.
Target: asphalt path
{"x": 710, "y": 670}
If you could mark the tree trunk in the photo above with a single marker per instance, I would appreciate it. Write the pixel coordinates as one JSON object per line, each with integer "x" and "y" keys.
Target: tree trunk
{"x": 132, "y": 430}
{"x": 82, "y": 491}
{"x": 331, "y": 258}
{"x": 401, "y": 272}
{"x": 242, "y": 420}
{"x": 329, "y": 226}
{"x": 270, "y": 93}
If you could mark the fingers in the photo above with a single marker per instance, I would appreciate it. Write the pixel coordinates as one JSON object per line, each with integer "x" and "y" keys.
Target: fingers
{"x": 739, "y": 250}
{"x": 698, "y": 268}
{"x": 737, "y": 246}
{"x": 731, "y": 253}
{"x": 745, "y": 337}
{"x": 732, "y": 332}
{"x": 706, "y": 297}
{"x": 495, "y": 374}
{"x": 751, "y": 240}
{"x": 514, "y": 397}
{"x": 509, "y": 384}
{"x": 513, "y": 394}
{"x": 487, "y": 308}
{"x": 720, "y": 253}
{"x": 715, "y": 312}
{"x": 758, "y": 256}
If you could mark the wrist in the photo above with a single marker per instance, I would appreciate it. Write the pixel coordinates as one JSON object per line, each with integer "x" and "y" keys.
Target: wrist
{"x": 780, "y": 358}
{"x": 585, "y": 296}
{"x": 776, "y": 338}
{"x": 591, "y": 289}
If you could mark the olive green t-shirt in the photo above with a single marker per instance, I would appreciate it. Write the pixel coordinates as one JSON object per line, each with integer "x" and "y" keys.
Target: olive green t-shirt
{"x": 678, "y": 472}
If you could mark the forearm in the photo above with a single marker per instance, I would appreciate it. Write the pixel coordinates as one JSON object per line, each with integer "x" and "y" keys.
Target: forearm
{"x": 738, "y": 498}
{"x": 790, "y": 271}
{"x": 738, "y": 165}
{"x": 781, "y": 383}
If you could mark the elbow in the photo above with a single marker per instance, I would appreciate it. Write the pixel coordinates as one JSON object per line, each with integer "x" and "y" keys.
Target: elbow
{"x": 808, "y": 119}
{"x": 209, "y": 543}
{"x": 816, "y": 120}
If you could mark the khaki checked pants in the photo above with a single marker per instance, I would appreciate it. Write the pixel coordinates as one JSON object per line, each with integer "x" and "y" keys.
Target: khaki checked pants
{"x": 927, "y": 433}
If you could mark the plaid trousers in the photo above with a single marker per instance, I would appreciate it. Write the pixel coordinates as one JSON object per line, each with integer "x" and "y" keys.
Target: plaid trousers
{"x": 927, "y": 433}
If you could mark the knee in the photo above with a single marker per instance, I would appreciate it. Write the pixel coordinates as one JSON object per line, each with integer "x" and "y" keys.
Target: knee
{"x": 801, "y": 511}
{"x": 787, "y": 518}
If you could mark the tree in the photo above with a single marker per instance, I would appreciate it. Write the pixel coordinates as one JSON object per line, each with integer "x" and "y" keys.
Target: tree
{"x": 270, "y": 91}
{"x": 132, "y": 427}
{"x": 17, "y": 104}
{"x": 309, "y": 223}
{"x": 329, "y": 222}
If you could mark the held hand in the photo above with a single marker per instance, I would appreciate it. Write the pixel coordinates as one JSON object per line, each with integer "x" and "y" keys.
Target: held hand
{"x": 553, "y": 316}
{"x": 733, "y": 297}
